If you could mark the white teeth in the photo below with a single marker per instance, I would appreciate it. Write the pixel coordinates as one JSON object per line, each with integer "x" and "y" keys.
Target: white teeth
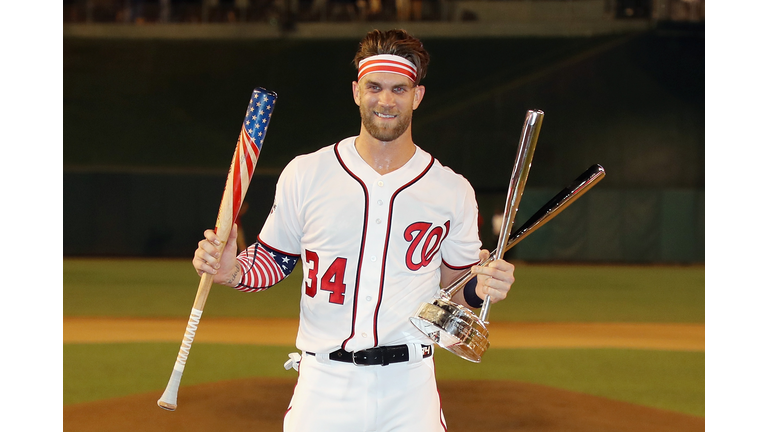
{"x": 384, "y": 115}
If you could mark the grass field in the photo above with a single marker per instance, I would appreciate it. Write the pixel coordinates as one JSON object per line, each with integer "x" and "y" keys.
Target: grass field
{"x": 553, "y": 293}
{"x": 672, "y": 380}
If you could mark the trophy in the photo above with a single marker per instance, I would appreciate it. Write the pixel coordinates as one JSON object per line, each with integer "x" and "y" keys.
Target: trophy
{"x": 455, "y": 327}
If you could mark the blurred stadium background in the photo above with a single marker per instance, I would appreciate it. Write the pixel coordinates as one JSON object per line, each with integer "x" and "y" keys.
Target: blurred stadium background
{"x": 154, "y": 93}
{"x": 151, "y": 114}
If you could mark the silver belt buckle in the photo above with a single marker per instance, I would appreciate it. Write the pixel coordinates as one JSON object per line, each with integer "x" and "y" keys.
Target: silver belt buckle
{"x": 353, "y": 359}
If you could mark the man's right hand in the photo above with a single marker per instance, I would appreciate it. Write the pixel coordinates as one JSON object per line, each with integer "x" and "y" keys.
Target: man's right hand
{"x": 221, "y": 263}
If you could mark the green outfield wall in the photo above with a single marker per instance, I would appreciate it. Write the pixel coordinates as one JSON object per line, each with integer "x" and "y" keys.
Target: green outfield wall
{"x": 164, "y": 214}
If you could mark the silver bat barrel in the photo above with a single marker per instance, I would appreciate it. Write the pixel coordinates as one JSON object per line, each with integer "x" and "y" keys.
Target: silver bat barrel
{"x": 528, "y": 138}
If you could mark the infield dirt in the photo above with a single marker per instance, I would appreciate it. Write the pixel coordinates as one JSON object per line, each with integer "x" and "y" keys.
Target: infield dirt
{"x": 258, "y": 404}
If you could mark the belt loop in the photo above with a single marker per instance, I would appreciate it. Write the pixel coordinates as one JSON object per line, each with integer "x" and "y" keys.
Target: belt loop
{"x": 323, "y": 358}
{"x": 414, "y": 353}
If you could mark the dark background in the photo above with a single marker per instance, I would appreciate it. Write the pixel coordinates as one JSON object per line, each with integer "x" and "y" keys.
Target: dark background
{"x": 150, "y": 127}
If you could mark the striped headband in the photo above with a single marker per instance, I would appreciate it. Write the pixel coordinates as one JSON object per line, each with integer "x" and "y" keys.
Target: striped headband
{"x": 386, "y": 63}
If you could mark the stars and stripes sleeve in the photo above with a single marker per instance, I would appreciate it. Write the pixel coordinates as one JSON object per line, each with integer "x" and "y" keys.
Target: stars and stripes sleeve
{"x": 263, "y": 267}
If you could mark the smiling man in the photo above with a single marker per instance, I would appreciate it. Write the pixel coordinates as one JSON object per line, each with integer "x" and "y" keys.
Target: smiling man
{"x": 379, "y": 224}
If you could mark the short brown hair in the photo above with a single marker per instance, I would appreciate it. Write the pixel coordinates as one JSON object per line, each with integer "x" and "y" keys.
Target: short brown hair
{"x": 396, "y": 42}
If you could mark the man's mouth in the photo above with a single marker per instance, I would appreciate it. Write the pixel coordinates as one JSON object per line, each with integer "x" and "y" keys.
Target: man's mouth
{"x": 384, "y": 116}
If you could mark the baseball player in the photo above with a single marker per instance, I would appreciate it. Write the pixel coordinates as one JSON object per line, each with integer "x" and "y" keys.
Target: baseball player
{"x": 379, "y": 224}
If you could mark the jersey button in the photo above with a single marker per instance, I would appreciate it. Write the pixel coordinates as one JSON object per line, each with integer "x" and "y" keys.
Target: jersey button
{"x": 369, "y": 298}
{"x": 373, "y": 258}
{"x": 378, "y": 221}
{"x": 365, "y": 335}
{"x": 380, "y": 202}
{"x": 380, "y": 183}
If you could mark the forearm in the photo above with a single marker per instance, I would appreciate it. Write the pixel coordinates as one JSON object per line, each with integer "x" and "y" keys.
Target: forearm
{"x": 465, "y": 296}
{"x": 235, "y": 277}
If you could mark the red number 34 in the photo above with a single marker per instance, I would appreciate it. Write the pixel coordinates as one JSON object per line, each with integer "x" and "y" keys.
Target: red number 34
{"x": 332, "y": 280}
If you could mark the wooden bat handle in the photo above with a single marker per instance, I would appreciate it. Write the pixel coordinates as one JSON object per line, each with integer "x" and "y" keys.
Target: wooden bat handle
{"x": 168, "y": 399}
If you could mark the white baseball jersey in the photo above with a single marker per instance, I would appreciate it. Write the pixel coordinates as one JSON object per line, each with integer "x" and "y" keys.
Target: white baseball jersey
{"x": 371, "y": 244}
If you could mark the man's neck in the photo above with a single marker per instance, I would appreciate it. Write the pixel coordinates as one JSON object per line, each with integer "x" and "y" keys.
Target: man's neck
{"x": 385, "y": 156}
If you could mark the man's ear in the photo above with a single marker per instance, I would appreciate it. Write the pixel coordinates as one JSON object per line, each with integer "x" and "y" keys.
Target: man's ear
{"x": 356, "y": 92}
{"x": 418, "y": 95}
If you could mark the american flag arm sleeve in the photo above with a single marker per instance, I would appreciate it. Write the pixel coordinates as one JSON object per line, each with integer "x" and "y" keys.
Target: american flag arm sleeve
{"x": 263, "y": 267}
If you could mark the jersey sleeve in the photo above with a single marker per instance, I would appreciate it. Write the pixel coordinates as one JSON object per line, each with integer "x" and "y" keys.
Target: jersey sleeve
{"x": 461, "y": 248}
{"x": 282, "y": 230}
{"x": 263, "y": 267}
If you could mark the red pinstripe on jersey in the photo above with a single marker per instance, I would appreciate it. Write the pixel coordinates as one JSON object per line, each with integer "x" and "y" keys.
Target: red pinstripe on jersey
{"x": 362, "y": 242}
{"x": 386, "y": 248}
{"x": 459, "y": 267}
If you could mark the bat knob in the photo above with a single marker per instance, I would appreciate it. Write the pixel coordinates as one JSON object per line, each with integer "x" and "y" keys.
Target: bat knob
{"x": 166, "y": 405}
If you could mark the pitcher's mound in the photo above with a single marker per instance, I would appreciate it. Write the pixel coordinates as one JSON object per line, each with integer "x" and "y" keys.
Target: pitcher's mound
{"x": 258, "y": 404}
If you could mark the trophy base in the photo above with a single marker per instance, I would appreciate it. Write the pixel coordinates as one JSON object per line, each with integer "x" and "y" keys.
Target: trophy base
{"x": 454, "y": 328}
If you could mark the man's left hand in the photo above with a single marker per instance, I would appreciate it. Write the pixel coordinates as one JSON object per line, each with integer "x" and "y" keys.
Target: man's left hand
{"x": 495, "y": 279}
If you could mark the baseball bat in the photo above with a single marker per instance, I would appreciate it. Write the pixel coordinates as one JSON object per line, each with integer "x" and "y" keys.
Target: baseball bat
{"x": 252, "y": 133}
{"x": 557, "y": 204}
{"x": 552, "y": 208}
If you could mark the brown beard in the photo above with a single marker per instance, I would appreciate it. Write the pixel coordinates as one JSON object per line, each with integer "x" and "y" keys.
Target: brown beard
{"x": 385, "y": 134}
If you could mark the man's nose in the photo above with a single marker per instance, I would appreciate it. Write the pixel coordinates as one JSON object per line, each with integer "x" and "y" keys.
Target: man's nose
{"x": 387, "y": 98}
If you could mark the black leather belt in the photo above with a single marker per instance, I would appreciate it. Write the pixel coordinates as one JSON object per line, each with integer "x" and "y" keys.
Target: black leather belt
{"x": 382, "y": 355}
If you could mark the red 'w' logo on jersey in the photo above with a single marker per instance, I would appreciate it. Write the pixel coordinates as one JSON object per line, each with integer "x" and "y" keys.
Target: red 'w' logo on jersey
{"x": 425, "y": 241}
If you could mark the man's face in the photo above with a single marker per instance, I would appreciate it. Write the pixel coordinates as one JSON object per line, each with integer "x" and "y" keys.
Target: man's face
{"x": 386, "y": 103}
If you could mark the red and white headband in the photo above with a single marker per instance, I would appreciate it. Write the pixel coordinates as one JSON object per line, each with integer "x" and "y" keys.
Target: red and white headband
{"x": 386, "y": 63}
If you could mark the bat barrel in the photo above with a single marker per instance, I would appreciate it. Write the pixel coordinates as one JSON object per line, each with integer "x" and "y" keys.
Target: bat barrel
{"x": 526, "y": 146}
{"x": 558, "y": 203}
{"x": 252, "y": 133}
